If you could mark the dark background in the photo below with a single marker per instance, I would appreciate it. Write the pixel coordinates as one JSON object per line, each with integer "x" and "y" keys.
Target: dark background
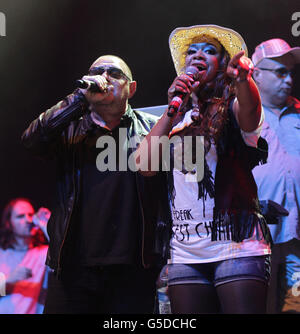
{"x": 51, "y": 43}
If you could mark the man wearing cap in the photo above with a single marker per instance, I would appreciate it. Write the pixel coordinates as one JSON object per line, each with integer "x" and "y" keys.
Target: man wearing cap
{"x": 279, "y": 179}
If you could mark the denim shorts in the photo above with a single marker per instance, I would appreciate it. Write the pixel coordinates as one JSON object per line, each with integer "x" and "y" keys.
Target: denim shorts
{"x": 217, "y": 273}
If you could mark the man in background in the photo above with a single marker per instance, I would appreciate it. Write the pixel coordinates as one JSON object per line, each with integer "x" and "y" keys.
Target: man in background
{"x": 23, "y": 249}
{"x": 279, "y": 179}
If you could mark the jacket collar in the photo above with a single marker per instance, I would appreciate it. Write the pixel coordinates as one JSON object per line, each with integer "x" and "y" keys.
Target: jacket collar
{"x": 91, "y": 120}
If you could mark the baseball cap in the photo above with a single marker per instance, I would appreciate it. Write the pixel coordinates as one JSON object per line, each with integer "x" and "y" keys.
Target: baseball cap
{"x": 273, "y": 48}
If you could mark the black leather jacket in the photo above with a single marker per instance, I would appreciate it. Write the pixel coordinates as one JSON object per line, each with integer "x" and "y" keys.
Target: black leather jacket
{"x": 56, "y": 133}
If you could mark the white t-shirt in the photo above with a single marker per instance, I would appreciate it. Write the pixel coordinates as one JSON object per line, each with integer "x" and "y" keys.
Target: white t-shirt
{"x": 191, "y": 240}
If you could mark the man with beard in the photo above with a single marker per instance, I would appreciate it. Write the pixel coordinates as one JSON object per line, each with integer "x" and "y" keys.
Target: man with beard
{"x": 23, "y": 249}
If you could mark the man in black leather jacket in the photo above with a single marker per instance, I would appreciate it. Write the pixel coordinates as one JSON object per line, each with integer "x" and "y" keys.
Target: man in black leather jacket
{"x": 103, "y": 252}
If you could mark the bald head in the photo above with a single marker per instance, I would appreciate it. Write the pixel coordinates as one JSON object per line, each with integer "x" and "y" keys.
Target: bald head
{"x": 116, "y": 61}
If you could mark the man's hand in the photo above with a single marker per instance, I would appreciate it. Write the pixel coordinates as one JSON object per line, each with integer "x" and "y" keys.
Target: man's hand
{"x": 40, "y": 219}
{"x": 101, "y": 82}
{"x": 19, "y": 274}
{"x": 240, "y": 67}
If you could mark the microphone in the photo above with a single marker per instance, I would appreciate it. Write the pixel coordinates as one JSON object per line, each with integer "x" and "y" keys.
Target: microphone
{"x": 89, "y": 85}
{"x": 177, "y": 100}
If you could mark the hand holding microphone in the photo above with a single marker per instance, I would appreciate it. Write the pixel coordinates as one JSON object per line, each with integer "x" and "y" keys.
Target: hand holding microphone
{"x": 181, "y": 88}
{"x": 93, "y": 84}
{"x": 95, "y": 88}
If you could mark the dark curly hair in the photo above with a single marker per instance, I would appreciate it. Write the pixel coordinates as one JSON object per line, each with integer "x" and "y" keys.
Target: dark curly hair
{"x": 7, "y": 236}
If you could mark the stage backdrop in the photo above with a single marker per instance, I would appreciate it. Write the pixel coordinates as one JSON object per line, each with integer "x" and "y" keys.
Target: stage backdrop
{"x": 46, "y": 45}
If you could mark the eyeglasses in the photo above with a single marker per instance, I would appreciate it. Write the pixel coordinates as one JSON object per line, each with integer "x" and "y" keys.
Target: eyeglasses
{"x": 113, "y": 72}
{"x": 281, "y": 72}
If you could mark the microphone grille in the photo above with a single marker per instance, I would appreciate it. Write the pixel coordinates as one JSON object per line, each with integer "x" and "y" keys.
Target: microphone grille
{"x": 193, "y": 72}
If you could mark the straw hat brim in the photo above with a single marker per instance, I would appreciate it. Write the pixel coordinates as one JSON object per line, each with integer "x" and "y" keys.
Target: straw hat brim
{"x": 181, "y": 38}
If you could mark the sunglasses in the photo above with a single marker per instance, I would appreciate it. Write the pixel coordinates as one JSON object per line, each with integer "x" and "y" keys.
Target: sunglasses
{"x": 113, "y": 72}
{"x": 281, "y": 72}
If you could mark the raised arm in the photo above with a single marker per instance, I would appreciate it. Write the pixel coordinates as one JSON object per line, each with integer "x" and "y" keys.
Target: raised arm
{"x": 147, "y": 150}
{"x": 44, "y": 131}
{"x": 247, "y": 107}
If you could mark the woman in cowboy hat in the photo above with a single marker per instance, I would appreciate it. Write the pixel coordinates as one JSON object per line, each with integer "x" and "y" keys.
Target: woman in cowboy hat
{"x": 220, "y": 244}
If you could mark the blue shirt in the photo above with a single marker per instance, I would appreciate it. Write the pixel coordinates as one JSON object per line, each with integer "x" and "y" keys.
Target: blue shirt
{"x": 279, "y": 178}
